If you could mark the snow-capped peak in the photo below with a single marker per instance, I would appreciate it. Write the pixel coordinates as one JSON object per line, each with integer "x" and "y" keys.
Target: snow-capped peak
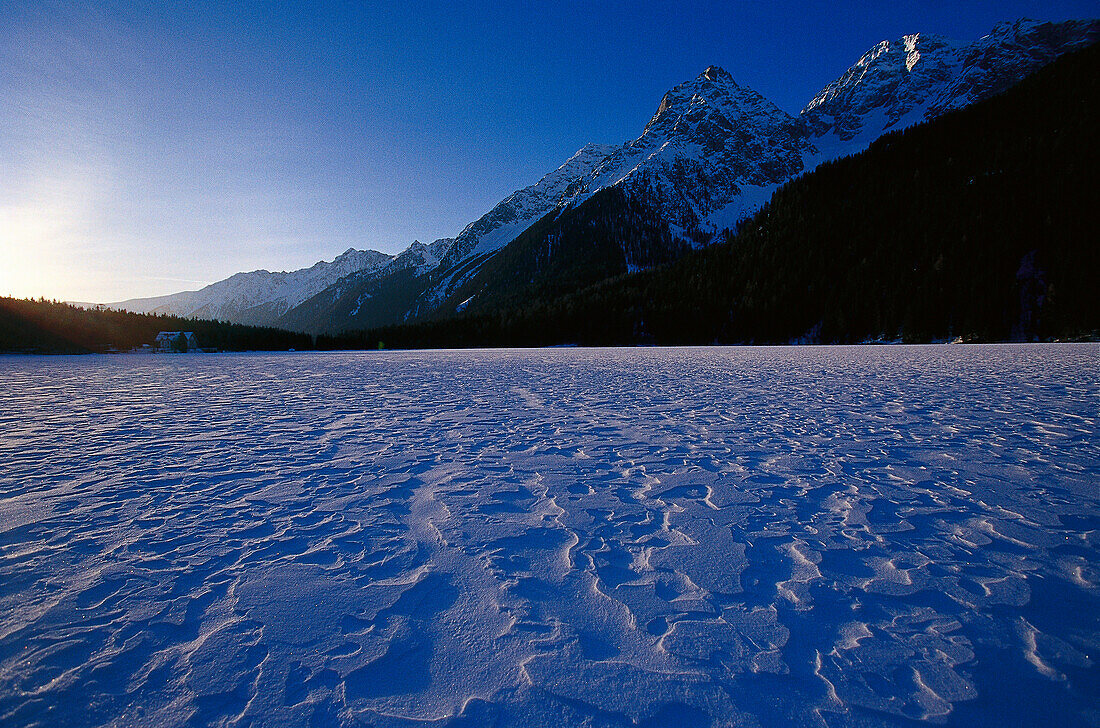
{"x": 714, "y": 87}
{"x": 716, "y": 73}
{"x": 920, "y": 76}
{"x": 879, "y": 71}
{"x": 709, "y": 141}
{"x": 708, "y": 127}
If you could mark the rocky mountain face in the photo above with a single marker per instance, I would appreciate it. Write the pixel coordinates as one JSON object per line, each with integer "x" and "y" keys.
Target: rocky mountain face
{"x": 919, "y": 77}
{"x": 710, "y": 143}
{"x": 712, "y": 153}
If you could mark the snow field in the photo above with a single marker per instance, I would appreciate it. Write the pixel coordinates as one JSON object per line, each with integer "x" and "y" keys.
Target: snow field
{"x": 660, "y": 537}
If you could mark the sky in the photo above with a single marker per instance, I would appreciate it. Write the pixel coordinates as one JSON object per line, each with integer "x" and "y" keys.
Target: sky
{"x": 149, "y": 148}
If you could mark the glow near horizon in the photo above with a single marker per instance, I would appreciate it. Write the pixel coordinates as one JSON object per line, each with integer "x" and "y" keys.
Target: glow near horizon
{"x": 146, "y": 151}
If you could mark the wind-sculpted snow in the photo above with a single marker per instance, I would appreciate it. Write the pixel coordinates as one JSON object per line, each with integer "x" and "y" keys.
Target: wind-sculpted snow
{"x": 761, "y": 537}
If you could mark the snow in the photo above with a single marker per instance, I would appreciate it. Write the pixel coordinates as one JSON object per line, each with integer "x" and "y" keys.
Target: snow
{"x": 514, "y": 214}
{"x": 850, "y": 536}
{"x": 921, "y": 76}
{"x": 359, "y": 304}
{"x": 744, "y": 206}
{"x": 912, "y": 55}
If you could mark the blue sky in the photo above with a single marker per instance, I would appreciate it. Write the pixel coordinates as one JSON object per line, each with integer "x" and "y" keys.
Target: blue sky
{"x": 147, "y": 148}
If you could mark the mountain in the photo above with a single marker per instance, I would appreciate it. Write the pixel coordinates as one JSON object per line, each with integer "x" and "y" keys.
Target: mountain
{"x": 522, "y": 208}
{"x": 373, "y": 296}
{"x": 710, "y": 145}
{"x": 712, "y": 153}
{"x": 976, "y": 225}
{"x": 919, "y": 77}
{"x": 708, "y": 142}
{"x": 259, "y": 297}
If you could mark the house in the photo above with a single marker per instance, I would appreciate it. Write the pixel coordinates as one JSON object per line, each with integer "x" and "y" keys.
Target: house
{"x": 177, "y": 341}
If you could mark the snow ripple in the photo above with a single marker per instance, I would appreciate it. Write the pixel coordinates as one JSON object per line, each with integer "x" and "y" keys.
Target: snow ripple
{"x": 690, "y": 537}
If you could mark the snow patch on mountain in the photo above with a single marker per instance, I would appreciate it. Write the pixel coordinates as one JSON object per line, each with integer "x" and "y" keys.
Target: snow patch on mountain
{"x": 418, "y": 256}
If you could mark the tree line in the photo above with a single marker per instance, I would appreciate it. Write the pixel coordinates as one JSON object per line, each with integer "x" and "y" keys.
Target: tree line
{"x": 52, "y": 327}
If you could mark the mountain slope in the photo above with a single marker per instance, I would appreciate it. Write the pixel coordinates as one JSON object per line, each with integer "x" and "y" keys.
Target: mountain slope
{"x": 610, "y": 233}
{"x": 522, "y": 208}
{"x": 712, "y": 151}
{"x": 978, "y": 224}
{"x": 371, "y": 297}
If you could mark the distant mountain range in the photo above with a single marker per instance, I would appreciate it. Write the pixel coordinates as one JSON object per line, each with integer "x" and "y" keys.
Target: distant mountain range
{"x": 710, "y": 156}
{"x": 258, "y": 297}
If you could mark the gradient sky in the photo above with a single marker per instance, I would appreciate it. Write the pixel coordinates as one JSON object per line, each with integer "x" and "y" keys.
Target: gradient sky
{"x": 148, "y": 148}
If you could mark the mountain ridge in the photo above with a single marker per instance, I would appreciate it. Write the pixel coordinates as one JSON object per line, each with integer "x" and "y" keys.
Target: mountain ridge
{"x": 973, "y": 227}
{"x": 257, "y": 297}
{"x": 704, "y": 169}
{"x": 712, "y": 153}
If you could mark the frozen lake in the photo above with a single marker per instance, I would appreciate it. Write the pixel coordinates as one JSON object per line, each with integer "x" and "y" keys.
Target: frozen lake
{"x": 850, "y": 536}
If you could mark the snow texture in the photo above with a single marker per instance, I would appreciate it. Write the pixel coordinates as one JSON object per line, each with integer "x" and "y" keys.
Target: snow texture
{"x": 809, "y": 536}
